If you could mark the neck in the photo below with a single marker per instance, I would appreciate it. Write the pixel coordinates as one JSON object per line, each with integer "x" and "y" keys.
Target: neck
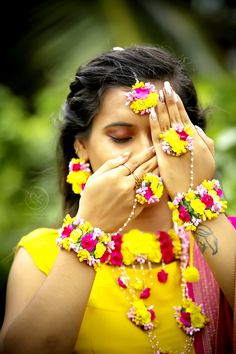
{"x": 153, "y": 218}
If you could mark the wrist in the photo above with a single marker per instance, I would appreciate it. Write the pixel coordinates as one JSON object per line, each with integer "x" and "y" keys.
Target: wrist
{"x": 87, "y": 242}
{"x": 196, "y": 206}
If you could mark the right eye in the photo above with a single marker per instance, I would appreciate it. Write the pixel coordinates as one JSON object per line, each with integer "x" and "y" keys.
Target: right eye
{"x": 120, "y": 140}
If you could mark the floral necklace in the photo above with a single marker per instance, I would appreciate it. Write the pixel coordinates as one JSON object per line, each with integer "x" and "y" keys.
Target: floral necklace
{"x": 137, "y": 248}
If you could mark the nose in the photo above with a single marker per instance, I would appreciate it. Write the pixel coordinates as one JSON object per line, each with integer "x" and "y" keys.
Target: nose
{"x": 145, "y": 141}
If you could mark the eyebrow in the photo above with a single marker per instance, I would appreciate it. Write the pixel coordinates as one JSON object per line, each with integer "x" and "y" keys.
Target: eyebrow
{"x": 119, "y": 124}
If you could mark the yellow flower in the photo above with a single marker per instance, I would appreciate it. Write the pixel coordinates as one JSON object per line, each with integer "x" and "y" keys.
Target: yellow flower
{"x": 140, "y": 199}
{"x": 75, "y": 235}
{"x": 142, "y": 315}
{"x": 83, "y": 255}
{"x": 66, "y": 243}
{"x": 198, "y": 320}
{"x": 210, "y": 215}
{"x": 68, "y": 220}
{"x": 128, "y": 257}
{"x": 104, "y": 238}
{"x": 171, "y": 206}
{"x": 198, "y": 206}
{"x": 99, "y": 250}
{"x": 177, "y": 248}
{"x": 138, "y": 243}
{"x": 190, "y": 196}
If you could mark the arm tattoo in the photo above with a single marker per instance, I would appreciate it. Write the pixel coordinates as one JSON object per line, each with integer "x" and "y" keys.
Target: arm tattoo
{"x": 206, "y": 239}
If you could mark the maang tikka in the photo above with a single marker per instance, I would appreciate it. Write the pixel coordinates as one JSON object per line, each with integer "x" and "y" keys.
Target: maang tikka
{"x": 79, "y": 173}
{"x": 142, "y": 98}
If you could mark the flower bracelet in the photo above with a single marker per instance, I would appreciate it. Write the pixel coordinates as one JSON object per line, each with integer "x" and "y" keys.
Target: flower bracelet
{"x": 192, "y": 208}
{"x": 88, "y": 242}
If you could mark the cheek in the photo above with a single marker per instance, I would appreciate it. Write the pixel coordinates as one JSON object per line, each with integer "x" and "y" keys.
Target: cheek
{"x": 99, "y": 156}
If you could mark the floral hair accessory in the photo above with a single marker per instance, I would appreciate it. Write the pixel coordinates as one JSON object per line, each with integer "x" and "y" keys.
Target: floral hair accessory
{"x": 177, "y": 140}
{"x": 192, "y": 208}
{"x": 150, "y": 189}
{"x": 79, "y": 172}
{"x": 190, "y": 317}
{"x": 88, "y": 242}
{"x": 142, "y": 98}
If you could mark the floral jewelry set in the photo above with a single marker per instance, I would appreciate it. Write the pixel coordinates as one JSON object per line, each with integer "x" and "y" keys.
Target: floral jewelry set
{"x": 136, "y": 248}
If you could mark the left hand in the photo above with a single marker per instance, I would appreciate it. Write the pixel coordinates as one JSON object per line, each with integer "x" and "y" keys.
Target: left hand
{"x": 174, "y": 170}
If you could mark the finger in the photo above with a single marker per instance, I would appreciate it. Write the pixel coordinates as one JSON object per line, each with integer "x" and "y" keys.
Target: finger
{"x": 155, "y": 123}
{"x": 162, "y": 113}
{"x": 112, "y": 163}
{"x": 146, "y": 167}
{"x": 171, "y": 100}
{"x": 183, "y": 114}
{"x": 208, "y": 141}
{"x": 136, "y": 161}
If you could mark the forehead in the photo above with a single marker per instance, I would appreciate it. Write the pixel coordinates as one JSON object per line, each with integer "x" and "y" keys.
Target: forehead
{"x": 113, "y": 108}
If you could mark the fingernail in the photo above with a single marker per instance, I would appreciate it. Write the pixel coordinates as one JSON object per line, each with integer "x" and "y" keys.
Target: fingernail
{"x": 161, "y": 96}
{"x": 199, "y": 129}
{"x": 153, "y": 115}
{"x": 167, "y": 88}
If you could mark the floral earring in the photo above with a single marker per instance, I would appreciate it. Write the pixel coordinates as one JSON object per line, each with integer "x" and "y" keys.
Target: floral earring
{"x": 79, "y": 173}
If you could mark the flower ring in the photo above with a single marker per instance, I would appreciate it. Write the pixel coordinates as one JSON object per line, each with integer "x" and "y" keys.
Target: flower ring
{"x": 150, "y": 189}
{"x": 177, "y": 140}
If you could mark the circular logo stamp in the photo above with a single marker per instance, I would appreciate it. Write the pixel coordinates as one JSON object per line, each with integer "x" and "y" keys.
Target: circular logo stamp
{"x": 36, "y": 198}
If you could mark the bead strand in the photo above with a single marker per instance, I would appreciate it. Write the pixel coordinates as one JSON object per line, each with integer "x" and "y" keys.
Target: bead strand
{"x": 127, "y": 221}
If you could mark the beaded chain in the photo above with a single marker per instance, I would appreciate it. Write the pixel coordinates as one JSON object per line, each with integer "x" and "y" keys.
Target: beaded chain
{"x": 128, "y": 219}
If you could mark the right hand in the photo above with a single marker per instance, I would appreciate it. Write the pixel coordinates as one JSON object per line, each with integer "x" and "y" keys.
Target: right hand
{"x": 108, "y": 196}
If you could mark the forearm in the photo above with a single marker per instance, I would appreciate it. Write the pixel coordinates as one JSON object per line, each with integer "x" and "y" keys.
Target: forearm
{"x": 217, "y": 241}
{"x": 50, "y": 323}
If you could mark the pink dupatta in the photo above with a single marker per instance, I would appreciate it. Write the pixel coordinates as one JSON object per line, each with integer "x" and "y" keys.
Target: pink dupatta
{"x": 217, "y": 337}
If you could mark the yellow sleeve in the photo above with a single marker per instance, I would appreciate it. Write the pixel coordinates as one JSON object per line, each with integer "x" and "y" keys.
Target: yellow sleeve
{"x": 41, "y": 245}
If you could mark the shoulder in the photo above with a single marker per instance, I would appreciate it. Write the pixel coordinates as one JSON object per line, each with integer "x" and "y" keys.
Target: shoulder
{"x": 41, "y": 245}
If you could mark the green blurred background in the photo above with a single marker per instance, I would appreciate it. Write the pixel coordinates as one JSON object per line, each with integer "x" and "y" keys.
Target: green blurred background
{"x": 49, "y": 40}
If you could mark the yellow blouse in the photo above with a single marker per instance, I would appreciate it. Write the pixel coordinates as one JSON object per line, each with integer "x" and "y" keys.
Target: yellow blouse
{"x": 105, "y": 328}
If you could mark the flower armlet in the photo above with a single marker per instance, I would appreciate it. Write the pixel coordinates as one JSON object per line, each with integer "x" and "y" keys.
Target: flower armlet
{"x": 192, "y": 208}
{"x": 88, "y": 242}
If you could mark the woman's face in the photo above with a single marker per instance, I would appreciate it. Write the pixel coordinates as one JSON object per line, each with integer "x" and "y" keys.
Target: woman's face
{"x": 116, "y": 129}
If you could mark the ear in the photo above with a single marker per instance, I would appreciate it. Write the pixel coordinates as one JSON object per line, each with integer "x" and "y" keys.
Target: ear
{"x": 80, "y": 149}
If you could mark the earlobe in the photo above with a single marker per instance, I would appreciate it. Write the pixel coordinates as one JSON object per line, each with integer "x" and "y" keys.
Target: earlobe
{"x": 80, "y": 149}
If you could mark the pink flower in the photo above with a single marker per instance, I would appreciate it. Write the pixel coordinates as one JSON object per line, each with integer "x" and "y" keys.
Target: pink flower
{"x": 153, "y": 315}
{"x": 116, "y": 258}
{"x": 105, "y": 256}
{"x": 220, "y": 192}
{"x": 117, "y": 241}
{"x": 145, "y": 293}
{"x": 185, "y": 319}
{"x": 207, "y": 200}
{"x": 183, "y": 135}
{"x": 76, "y": 167}
{"x": 162, "y": 276}
{"x": 88, "y": 242}
{"x": 142, "y": 92}
{"x": 148, "y": 193}
{"x": 121, "y": 282}
{"x": 67, "y": 231}
{"x": 183, "y": 214}
{"x": 167, "y": 255}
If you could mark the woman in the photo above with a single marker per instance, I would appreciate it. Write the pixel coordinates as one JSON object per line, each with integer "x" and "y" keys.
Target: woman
{"x": 121, "y": 114}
